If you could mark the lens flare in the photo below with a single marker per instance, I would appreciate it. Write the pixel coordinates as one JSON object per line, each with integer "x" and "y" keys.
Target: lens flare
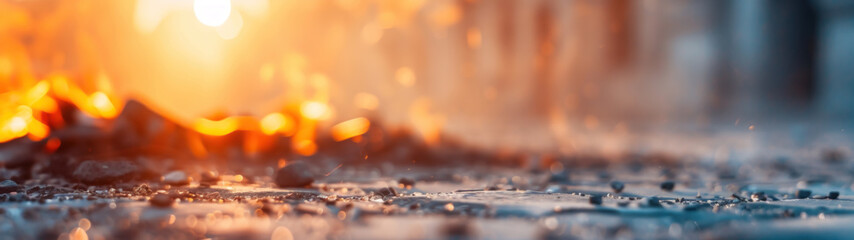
{"x": 313, "y": 110}
{"x": 277, "y": 122}
{"x": 212, "y": 13}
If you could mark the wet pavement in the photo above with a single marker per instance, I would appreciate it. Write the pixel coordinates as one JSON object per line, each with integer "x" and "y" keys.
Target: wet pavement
{"x": 758, "y": 201}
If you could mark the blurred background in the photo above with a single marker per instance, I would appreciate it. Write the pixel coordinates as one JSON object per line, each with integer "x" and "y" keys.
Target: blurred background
{"x": 718, "y": 77}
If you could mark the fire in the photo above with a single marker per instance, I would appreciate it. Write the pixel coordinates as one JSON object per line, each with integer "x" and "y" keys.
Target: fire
{"x": 42, "y": 80}
{"x": 103, "y": 105}
{"x": 21, "y": 114}
{"x": 277, "y": 122}
{"x": 15, "y": 128}
{"x": 216, "y": 128}
{"x": 350, "y": 128}
{"x": 314, "y": 110}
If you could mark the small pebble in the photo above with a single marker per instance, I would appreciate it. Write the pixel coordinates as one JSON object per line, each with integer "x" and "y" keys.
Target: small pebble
{"x": 617, "y": 186}
{"x": 8, "y": 186}
{"x": 293, "y": 175}
{"x": 406, "y": 182}
{"x": 803, "y": 193}
{"x": 758, "y": 196}
{"x": 387, "y": 192}
{"x": 176, "y": 178}
{"x": 668, "y": 186}
{"x": 653, "y": 202}
{"x": 819, "y": 197}
{"x": 595, "y": 199}
{"x": 833, "y": 195}
{"x": 105, "y": 172}
{"x": 161, "y": 200}
{"x": 210, "y": 177}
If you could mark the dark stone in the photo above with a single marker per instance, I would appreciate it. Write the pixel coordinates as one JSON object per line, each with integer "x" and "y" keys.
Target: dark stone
{"x": 387, "y": 192}
{"x": 668, "y": 186}
{"x": 210, "y": 177}
{"x": 617, "y": 186}
{"x": 406, "y": 182}
{"x": 833, "y": 195}
{"x": 106, "y": 172}
{"x": 833, "y": 156}
{"x": 653, "y": 202}
{"x": 176, "y": 178}
{"x": 803, "y": 193}
{"x": 595, "y": 199}
{"x": 296, "y": 174}
{"x": 8, "y": 186}
{"x": 161, "y": 200}
{"x": 758, "y": 196}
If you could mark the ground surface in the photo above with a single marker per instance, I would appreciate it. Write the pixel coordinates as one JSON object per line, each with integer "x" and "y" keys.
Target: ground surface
{"x": 707, "y": 201}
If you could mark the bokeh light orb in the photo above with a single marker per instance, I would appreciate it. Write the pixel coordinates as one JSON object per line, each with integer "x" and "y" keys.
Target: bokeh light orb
{"x": 212, "y": 12}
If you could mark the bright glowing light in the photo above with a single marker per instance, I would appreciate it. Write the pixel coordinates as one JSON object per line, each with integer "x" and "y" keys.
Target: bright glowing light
{"x": 313, "y": 110}
{"x": 38, "y": 130}
{"x": 231, "y": 28}
{"x": 350, "y": 128}
{"x": 102, "y": 103}
{"x": 216, "y": 128}
{"x": 212, "y": 12}
{"x": 305, "y": 147}
{"x": 18, "y": 125}
{"x": 276, "y": 122}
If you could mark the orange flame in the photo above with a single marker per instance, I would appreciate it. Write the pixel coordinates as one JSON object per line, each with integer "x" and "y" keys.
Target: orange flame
{"x": 216, "y": 128}
{"x": 350, "y": 128}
